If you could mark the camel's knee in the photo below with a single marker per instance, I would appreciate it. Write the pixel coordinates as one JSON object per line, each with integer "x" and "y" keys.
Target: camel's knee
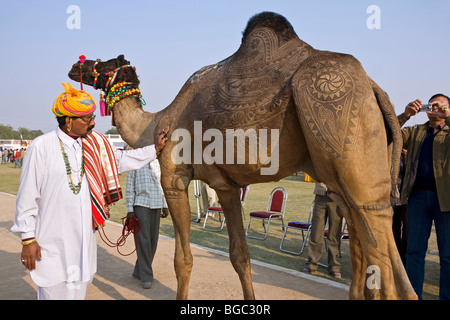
{"x": 240, "y": 259}
{"x": 183, "y": 266}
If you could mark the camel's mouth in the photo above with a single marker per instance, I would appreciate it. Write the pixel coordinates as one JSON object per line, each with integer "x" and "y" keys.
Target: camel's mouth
{"x": 74, "y": 73}
{"x": 83, "y": 71}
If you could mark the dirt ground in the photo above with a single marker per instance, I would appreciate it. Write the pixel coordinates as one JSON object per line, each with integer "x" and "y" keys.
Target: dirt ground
{"x": 213, "y": 277}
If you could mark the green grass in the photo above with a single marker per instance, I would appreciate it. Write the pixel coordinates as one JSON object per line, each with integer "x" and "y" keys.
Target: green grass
{"x": 299, "y": 200}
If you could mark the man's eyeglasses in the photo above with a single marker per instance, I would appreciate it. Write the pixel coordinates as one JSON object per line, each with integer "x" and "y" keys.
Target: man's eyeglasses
{"x": 86, "y": 119}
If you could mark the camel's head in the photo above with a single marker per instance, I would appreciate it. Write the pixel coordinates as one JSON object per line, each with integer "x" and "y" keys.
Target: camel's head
{"x": 96, "y": 73}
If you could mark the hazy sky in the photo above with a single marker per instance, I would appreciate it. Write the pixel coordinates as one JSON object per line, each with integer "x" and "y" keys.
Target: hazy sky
{"x": 169, "y": 40}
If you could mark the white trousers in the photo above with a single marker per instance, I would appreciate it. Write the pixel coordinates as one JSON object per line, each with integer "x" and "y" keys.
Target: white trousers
{"x": 63, "y": 291}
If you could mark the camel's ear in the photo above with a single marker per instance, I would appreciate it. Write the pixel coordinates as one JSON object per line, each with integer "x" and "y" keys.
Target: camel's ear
{"x": 121, "y": 60}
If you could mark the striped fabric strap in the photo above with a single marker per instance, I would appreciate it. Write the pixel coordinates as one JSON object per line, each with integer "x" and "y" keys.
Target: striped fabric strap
{"x": 102, "y": 174}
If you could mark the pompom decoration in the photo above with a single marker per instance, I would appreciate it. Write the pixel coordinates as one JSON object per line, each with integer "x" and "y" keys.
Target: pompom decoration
{"x": 82, "y": 60}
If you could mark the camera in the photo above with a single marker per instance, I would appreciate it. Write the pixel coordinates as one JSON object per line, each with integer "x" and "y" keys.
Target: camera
{"x": 425, "y": 108}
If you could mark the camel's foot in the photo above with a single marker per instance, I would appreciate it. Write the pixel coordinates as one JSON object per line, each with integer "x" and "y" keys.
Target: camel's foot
{"x": 387, "y": 283}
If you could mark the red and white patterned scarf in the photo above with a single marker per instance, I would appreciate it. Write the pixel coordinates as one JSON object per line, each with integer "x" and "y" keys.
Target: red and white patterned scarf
{"x": 102, "y": 174}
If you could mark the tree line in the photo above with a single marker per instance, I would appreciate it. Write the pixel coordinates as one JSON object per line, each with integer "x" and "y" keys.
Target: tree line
{"x": 8, "y": 132}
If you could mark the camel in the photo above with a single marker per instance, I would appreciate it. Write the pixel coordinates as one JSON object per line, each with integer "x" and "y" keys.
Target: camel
{"x": 310, "y": 110}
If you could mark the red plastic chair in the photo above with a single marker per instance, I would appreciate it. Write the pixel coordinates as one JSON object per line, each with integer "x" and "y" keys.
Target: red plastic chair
{"x": 276, "y": 207}
{"x": 212, "y": 211}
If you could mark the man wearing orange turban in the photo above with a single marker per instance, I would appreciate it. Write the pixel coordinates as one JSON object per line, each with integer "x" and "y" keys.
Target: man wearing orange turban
{"x": 69, "y": 179}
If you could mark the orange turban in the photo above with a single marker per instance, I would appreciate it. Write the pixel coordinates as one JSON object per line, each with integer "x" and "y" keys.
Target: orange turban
{"x": 73, "y": 103}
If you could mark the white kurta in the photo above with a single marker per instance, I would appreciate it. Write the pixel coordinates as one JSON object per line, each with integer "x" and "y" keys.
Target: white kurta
{"x": 46, "y": 208}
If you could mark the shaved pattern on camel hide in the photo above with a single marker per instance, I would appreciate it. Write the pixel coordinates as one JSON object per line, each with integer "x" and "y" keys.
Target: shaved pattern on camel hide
{"x": 248, "y": 92}
{"x": 176, "y": 186}
{"x": 331, "y": 103}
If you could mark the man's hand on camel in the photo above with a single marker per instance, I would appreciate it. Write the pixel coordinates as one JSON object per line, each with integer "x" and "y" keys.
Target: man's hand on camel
{"x": 162, "y": 138}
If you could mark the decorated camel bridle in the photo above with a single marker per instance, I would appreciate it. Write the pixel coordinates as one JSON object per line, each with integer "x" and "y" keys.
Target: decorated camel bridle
{"x": 117, "y": 92}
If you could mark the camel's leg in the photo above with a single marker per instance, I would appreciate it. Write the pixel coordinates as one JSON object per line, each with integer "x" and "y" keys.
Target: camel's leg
{"x": 377, "y": 268}
{"x": 401, "y": 280}
{"x": 346, "y": 137}
{"x": 358, "y": 266}
{"x": 393, "y": 278}
{"x": 239, "y": 253}
{"x": 378, "y": 271}
{"x": 179, "y": 208}
{"x": 386, "y": 277}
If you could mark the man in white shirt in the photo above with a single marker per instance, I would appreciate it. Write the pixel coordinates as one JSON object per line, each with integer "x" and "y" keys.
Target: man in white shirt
{"x": 55, "y": 202}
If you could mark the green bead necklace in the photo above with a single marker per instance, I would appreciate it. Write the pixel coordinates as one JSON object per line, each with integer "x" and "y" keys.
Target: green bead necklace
{"x": 75, "y": 188}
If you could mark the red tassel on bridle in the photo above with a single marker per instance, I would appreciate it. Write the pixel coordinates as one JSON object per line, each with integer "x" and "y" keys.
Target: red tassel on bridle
{"x": 82, "y": 60}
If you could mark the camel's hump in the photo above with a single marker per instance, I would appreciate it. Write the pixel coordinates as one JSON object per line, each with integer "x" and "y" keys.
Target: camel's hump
{"x": 250, "y": 86}
{"x": 279, "y": 24}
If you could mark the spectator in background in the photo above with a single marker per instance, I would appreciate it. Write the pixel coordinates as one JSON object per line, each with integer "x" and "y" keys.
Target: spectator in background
{"x": 426, "y": 190}
{"x": 145, "y": 201}
{"x": 17, "y": 158}
{"x": 5, "y": 154}
{"x": 324, "y": 208}
{"x": 22, "y": 155}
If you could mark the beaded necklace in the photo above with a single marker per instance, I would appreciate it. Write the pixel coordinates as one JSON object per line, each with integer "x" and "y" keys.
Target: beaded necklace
{"x": 120, "y": 91}
{"x": 75, "y": 188}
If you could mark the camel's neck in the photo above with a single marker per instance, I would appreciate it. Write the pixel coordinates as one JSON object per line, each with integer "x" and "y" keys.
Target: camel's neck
{"x": 136, "y": 126}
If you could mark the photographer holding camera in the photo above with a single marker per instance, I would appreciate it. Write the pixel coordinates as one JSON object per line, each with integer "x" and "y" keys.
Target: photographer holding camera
{"x": 426, "y": 189}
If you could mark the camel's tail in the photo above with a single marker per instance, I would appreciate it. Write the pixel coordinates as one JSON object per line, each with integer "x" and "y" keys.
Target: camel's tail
{"x": 394, "y": 134}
